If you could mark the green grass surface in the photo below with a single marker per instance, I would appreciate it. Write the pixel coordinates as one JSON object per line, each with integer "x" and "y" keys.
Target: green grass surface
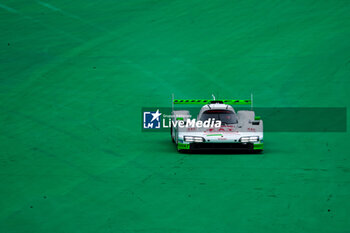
{"x": 74, "y": 76}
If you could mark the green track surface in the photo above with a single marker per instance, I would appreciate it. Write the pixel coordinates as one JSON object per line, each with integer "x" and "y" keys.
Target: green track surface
{"x": 74, "y": 76}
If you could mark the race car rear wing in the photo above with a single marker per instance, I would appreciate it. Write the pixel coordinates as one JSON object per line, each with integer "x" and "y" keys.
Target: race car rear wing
{"x": 214, "y": 100}
{"x": 206, "y": 101}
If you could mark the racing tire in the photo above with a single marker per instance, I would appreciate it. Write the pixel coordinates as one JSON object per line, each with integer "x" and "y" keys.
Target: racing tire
{"x": 171, "y": 134}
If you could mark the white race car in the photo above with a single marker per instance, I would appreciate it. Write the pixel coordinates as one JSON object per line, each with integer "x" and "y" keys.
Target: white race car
{"x": 217, "y": 126}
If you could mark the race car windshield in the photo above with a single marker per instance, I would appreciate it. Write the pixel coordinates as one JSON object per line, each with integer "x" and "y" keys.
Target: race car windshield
{"x": 225, "y": 116}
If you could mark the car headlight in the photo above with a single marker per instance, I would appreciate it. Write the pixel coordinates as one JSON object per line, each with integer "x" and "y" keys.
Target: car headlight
{"x": 193, "y": 139}
{"x": 249, "y": 139}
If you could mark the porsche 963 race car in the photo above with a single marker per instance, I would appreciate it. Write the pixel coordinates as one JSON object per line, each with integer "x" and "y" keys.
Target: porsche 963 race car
{"x": 217, "y": 127}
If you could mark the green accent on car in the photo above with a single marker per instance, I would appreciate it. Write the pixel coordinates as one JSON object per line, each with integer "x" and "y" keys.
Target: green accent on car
{"x": 183, "y": 146}
{"x": 206, "y": 101}
{"x": 214, "y": 135}
{"x": 259, "y": 146}
{"x": 257, "y": 118}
